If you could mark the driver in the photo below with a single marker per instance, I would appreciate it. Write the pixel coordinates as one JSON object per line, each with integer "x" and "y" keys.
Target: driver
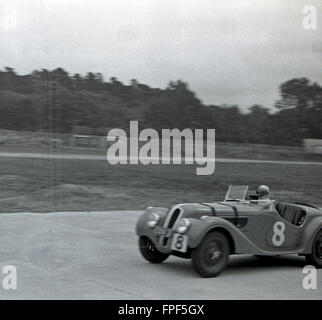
{"x": 263, "y": 196}
{"x": 263, "y": 192}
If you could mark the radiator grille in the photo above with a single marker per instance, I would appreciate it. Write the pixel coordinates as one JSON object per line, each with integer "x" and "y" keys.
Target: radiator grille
{"x": 170, "y": 223}
{"x": 174, "y": 218}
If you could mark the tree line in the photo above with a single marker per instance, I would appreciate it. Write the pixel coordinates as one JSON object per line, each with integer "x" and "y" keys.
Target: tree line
{"x": 56, "y": 101}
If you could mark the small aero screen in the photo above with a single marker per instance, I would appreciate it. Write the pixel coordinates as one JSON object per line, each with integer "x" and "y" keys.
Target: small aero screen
{"x": 236, "y": 193}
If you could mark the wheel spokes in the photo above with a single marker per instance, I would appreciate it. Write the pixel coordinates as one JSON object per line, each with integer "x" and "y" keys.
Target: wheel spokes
{"x": 212, "y": 254}
{"x": 150, "y": 246}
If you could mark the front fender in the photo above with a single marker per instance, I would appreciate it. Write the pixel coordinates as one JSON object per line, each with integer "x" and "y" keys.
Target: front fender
{"x": 199, "y": 228}
{"x": 141, "y": 228}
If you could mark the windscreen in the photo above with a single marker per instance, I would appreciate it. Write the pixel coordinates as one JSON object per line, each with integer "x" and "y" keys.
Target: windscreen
{"x": 236, "y": 193}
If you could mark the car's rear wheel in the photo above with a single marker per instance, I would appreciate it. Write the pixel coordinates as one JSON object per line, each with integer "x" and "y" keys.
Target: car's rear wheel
{"x": 210, "y": 258}
{"x": 150, "y": 252}
{"x": 315, "y": 258}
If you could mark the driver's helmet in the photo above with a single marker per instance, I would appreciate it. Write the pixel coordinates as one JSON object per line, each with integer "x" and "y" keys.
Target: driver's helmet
{"x": 263, "y": 191}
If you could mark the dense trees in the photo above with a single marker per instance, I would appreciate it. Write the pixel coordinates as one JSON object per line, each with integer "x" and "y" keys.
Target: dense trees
{"x": 301, "y": 102}
{"x": 56, "y": 101}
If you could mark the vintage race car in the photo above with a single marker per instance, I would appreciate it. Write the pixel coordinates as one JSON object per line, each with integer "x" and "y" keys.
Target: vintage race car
{"x": 208, "y": 233}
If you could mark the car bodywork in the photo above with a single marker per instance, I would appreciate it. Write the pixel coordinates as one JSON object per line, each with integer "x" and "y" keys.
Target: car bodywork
{"x": 251, "y": 226}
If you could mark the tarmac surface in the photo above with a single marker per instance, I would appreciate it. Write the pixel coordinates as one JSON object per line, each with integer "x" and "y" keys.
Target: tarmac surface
{"x": 94, "y": 255}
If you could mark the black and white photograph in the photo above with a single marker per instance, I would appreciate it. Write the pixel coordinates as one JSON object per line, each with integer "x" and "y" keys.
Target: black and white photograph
{"x": 160, "y": 150}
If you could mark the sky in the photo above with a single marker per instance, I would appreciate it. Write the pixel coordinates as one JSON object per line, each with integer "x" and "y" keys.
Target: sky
{"x": 229, "y": 51}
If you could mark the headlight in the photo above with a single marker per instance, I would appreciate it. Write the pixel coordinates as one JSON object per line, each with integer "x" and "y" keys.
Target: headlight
{"x": 183, "y": 225}
{"x": 153, "y": 220}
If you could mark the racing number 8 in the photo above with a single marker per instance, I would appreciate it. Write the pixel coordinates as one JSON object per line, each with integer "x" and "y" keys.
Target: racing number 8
{"x": 278, "y": 236}
{"x": 179, "y": 242}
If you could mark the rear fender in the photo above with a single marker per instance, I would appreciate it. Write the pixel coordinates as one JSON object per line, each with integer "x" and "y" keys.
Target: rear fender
{"x": 309, "y": 234}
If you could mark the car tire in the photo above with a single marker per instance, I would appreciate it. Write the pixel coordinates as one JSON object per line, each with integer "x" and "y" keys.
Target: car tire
{"x": 150, "y": 252}
{"x": 315, "y": 258}
{"x": 210, "y": 258}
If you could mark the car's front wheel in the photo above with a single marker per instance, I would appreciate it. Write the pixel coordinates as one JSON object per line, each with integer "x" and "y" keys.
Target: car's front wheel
{"x": 150, "y": 252}
{"x": 315, "y": 258}
{"x": 210, "y": 258}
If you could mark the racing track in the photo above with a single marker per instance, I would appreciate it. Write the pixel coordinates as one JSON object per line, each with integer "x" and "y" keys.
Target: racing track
{"x": 57, "y": 156}
{"x": 94, "y": 255}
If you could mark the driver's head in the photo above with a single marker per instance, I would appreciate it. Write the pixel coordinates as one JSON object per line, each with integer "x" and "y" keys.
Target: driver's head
{"x": 263, "y": 192}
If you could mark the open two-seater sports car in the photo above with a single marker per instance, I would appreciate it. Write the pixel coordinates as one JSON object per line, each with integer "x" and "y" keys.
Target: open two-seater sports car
{"x": 208, "y": 233}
